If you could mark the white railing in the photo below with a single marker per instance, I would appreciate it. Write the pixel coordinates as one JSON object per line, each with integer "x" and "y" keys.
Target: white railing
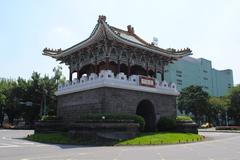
{"x": 106, "y": 78}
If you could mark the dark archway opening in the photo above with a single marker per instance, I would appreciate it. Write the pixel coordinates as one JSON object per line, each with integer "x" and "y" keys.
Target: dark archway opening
{"x": 138, "y": 70}
{"x": 124, "y": 68}
{"x": 151, "y": 73}
{"x": 146, "y": 109}
{"x": 113, "y": 67}
{"x": 87, "y": 69}
{"x": 101, "y": 66}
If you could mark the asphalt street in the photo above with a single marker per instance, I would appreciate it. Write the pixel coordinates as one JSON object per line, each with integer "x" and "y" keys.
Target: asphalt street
{"x": 217, "y": 146}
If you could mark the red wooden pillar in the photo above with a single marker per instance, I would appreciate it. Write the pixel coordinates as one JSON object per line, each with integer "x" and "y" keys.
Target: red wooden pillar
{"x": 147, "y": 70}
{"x": 118, "y": 67}
{"x": 107, "y": 63}
{"x": 78, "y": 74}
{"x": 129, "y": 69}
{"x": 155, "y": 72}
{"x": 95, "y": 67}
{"x": 162, "y": 73}
{"x": 70, "y": 75}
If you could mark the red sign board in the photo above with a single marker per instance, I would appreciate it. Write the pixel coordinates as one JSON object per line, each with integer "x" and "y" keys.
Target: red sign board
{"x": 147, "y": 81}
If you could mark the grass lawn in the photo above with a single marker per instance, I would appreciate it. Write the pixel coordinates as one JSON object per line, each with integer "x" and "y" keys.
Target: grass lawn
{"x": 162, "y": 138}
{"x": 54, "y": 138}
{"x": 142, "y": 139}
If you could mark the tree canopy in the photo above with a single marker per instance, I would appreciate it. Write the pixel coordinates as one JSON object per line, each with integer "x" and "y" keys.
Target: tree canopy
{"x": 193, "y": 99}
{"x": 29, "y": 99}
{"x": 234, "y": 109}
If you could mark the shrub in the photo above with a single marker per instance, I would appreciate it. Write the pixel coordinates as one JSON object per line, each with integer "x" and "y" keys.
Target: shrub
{"x": 183, "y": 118}
{"x": 50, "y": 118}
{"x": 112, "y": 117}
{"x": 227, "y": 127}
{"x": 166, "y": 124}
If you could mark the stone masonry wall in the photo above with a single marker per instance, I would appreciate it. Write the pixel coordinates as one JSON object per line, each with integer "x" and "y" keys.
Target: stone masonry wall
{"x": 112, "y": 100}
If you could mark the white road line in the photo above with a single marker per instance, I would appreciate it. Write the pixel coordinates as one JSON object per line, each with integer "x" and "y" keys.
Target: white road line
{"x": 26, "y": 143}
{"x": 160, "y": 154}
{"x": 6, "y": 138}
{"x": 5, "y": 145}
{"x": 82, "y": 154}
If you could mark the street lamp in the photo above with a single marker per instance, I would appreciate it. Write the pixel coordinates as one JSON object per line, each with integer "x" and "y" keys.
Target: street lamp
{"x": 226, "y": 118}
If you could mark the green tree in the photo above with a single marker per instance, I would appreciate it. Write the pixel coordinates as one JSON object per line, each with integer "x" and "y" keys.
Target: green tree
{"x": 217, "y": 108}
{"x": 39, "y": 92}
{"x": 193, "y": 99}
{"x": 5, "y": 92}
{"x": 58, "y": 76}
{"x": 234, "y": 109}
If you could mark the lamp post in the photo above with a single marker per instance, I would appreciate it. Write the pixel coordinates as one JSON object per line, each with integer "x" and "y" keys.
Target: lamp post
{"x": 226, "y": 118}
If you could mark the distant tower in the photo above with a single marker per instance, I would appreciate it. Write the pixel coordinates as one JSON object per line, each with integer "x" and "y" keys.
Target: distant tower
{"x": 155, "y": 41}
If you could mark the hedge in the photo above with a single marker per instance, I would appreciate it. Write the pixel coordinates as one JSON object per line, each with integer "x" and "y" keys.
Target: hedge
{"x": 183, "y": 118}
{"x": 50, "y": 118}
{"x": 166, "y": 124}
{"x": 112, "y": 117}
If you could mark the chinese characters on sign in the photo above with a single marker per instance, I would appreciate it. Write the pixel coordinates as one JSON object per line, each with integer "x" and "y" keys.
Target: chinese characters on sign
{"x": 147, "y": 81}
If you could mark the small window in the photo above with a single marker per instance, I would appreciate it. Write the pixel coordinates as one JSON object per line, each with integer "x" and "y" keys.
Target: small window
{"x": 179, "y": 82}
{"x": 177, "y": 71}
{"x": 229, "y": 86}
{"x": 205, "y": 71}
{"x": 178, "y": 75}
{"x": 205, "y": 78}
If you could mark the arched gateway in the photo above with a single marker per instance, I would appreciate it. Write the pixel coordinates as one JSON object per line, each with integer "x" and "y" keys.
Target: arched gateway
{"x": 146, "y": 109}
{"x": 115, "y": 69}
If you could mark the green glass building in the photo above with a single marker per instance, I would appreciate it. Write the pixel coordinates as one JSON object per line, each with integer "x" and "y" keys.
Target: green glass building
{"x": 191, "y": 71}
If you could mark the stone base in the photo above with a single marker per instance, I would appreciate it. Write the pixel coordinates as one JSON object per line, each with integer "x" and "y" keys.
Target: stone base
{"x": 112, "y": 100}
{"x": 187, "y": 127}
{"x": 90, "y": 130}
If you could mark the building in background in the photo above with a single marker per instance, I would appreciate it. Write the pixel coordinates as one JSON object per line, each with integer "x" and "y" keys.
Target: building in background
{"x": 191, "y": 71}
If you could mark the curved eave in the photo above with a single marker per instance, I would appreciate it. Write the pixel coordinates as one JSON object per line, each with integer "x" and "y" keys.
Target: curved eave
{"x": 148, "y": 48}
{"x": 96, "y": 33}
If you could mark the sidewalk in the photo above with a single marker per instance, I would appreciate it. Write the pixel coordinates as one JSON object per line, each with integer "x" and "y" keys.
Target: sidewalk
{"x": 214, "y": 130}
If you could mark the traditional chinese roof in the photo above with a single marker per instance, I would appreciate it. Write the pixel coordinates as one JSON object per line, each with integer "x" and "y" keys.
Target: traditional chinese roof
{"x": 103, "y": 31}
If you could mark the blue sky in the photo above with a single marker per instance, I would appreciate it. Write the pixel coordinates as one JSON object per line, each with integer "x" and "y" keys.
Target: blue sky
{"x": 211, "y": 28}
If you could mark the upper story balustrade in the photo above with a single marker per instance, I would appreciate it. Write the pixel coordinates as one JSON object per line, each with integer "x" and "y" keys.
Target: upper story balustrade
{"x": 106, "y": 78}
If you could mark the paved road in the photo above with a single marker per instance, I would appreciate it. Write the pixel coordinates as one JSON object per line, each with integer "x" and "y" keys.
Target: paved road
{"x": 218, "y": 146}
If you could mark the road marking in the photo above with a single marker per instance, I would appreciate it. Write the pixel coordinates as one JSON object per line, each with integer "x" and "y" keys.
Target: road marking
{"x": 28, "y": 143}
{"x": 5, "y": 145}
{"x": 82, "y": 154}
{"x": 6, "y": 138}
{"x": 160, "y": 154}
